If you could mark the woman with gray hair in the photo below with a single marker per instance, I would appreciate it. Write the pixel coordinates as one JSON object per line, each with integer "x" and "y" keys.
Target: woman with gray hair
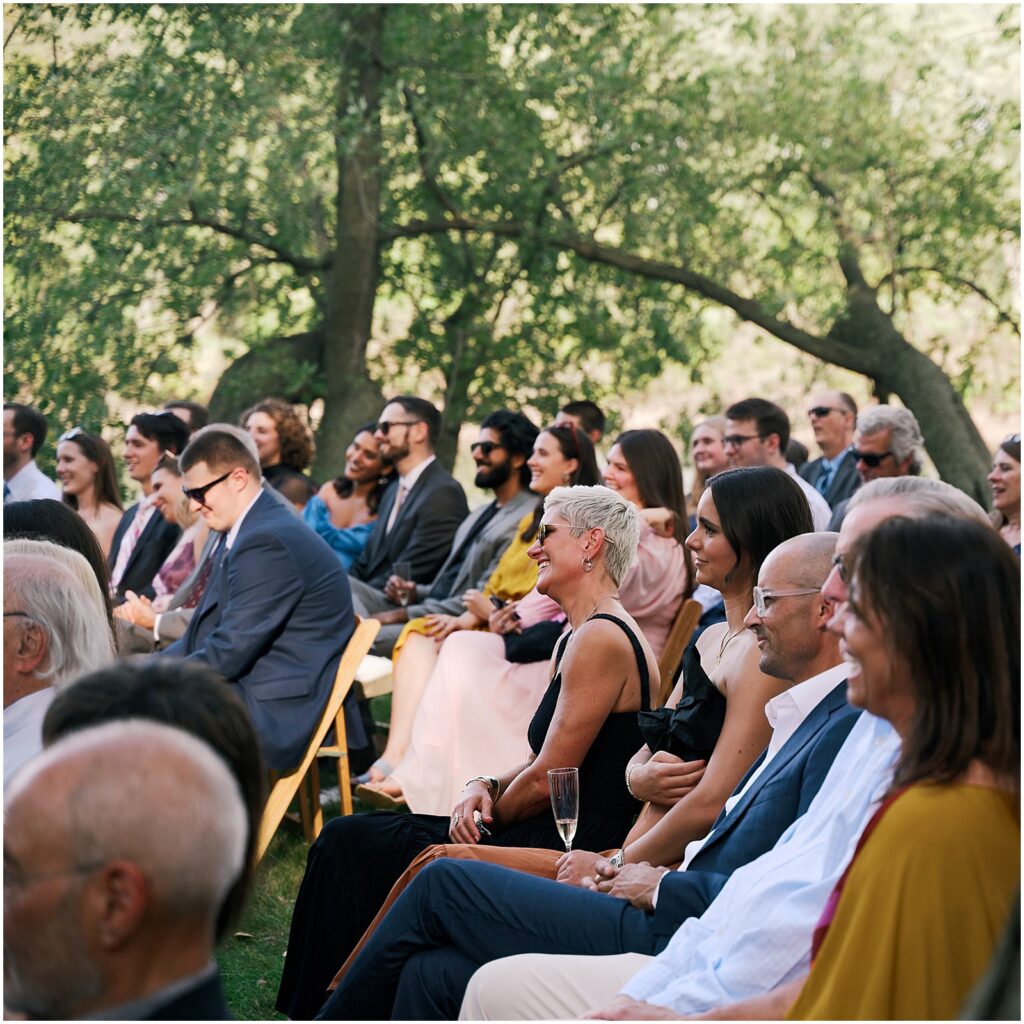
{"x": 603, "y": 672}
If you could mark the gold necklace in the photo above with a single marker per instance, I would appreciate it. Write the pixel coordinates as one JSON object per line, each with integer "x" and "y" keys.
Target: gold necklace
{"x": 592, "y": 610}
{"x": 725, "y": 643}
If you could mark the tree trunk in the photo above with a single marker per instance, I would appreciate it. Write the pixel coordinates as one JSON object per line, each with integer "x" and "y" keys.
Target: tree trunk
{"x": 351, "y": 398}
{"x": 288, "y": 368}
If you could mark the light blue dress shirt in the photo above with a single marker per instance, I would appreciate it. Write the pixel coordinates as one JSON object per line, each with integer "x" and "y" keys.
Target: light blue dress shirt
{"x": 756, "y": 934}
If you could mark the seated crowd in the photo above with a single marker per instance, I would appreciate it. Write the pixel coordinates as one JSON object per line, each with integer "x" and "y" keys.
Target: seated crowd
{"x": 820, "y": 821}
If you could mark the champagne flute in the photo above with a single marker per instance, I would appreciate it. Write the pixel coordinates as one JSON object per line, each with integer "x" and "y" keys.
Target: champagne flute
{"x": 403, "y": 570}
{"x": 564, "y": 784}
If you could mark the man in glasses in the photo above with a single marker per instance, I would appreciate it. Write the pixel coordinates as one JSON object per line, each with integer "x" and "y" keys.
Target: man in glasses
{"x": 756, "y": 434}
{"x": 833, "y": 415}
{"x": 24, "y": 433}
{"x": 500, "y": 452}
{"x": 419, "y": 513}
{"x": 887, "y": 443}
{"x": 143, "y": 538}
{"x": 276, "y": 613}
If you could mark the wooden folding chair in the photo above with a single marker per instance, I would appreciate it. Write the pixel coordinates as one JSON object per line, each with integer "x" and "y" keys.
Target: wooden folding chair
{"x": 679, "y": 635}
{"x": 304, "y": 782}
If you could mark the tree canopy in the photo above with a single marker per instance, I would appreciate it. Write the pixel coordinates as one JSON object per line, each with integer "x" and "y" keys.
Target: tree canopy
{"x": 483, "y": 201}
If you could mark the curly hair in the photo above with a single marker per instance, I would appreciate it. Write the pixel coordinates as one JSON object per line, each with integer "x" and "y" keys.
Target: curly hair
{"x": 295, "y": 437}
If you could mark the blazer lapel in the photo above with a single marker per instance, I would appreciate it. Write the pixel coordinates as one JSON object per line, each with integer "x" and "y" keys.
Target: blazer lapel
{"x": 809, "y": 728}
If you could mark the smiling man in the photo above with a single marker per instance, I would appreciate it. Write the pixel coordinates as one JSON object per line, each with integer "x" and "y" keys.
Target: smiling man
{"x": 143, "y": 538}
{"x": 500, "y": 453}
{"x": 277, "y": 612}
{"x": 419, "y": 513}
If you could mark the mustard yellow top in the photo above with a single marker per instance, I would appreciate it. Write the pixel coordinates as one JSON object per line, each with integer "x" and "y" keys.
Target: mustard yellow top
{"x": 514, "y": 577}
{"x": 924, "y": 903}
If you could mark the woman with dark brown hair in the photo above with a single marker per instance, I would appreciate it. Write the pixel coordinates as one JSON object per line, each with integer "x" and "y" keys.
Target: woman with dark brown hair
{"x": 1005, "y": 483}
{"x": 285, "y": 445}
{"x": 85, "y": 469}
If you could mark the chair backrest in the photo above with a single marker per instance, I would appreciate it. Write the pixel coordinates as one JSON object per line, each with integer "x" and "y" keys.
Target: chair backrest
{"x": 284, "y": 789}
{"x": 679, "y": 635}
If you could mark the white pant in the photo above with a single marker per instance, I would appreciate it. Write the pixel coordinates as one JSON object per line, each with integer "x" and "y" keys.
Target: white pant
{"x": 535, "y": 986}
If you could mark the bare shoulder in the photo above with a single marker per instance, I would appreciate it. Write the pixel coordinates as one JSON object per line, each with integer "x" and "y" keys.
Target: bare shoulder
{"x": 599, "y": 644}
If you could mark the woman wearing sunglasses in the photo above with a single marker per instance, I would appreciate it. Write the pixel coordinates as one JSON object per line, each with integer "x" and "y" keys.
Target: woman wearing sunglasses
{"x": 477, "y": 705}
{"x": 85, "y": 468}
{"x": 1005, "y": 482}
{"x": 602, "y": 674}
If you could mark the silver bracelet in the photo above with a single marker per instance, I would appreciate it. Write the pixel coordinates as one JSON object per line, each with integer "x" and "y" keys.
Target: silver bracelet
{"x": 629, "y": 771}
{"x": 618, "y": 859}
{"x": 492, "y": 783}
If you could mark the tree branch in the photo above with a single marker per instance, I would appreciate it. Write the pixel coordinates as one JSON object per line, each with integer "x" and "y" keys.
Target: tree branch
{"x": 1002, "y": 315}
{"x": 826, "y": 347}
{"x": 301, "y": 264}
{"x": 849, "y": 244}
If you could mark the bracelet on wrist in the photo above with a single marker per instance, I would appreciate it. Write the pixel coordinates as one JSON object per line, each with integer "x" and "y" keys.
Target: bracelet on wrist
{"x": 629, "y": 771}
{"x": 493, "y": 784}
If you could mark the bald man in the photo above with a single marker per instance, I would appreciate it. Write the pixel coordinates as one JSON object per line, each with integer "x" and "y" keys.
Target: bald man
{"x": 120, "y": 843}
{"x": 833, "y": 415}
{"x": 420, "y": 958}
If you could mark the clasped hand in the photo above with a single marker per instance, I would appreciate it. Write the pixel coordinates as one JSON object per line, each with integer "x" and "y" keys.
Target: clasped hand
{"x": 665, "y": 778}
{"x": 474, "y": 800}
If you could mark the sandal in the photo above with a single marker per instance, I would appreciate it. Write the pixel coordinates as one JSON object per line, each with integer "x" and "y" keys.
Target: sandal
{"x": 380, "y": 799}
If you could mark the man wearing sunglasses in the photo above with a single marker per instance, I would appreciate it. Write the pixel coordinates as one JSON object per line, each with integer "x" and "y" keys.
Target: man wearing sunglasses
{"x": 419, "y": 513}
{"x": 500, "y": 452}
{"x": 276, "y": 613}
{"x": 833, "y": 415}
{"x": 887, "y": 443}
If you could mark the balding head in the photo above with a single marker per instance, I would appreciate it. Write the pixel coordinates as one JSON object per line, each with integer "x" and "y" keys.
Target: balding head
{"x": 121, "y": 841}
{"x": 791, "y": 624}
{"x": 54, "y": 630}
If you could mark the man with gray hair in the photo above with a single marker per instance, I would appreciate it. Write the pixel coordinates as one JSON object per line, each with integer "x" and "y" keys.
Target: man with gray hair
{"x": 54, "y": 631}
{"x": 120, "y": 843}
{"x": 887, "y": 443}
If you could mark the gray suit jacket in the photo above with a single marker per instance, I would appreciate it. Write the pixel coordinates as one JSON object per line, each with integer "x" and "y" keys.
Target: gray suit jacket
{"x": 843, "y": 483}
{"x": 480, "y": 560}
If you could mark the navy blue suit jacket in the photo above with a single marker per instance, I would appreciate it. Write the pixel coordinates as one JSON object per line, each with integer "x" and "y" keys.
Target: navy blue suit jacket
{"x": 154, "y": 545}
{"x": 778, "y": 797}
{"x": 274, "y": 620}
{"x": 845, "y": 481}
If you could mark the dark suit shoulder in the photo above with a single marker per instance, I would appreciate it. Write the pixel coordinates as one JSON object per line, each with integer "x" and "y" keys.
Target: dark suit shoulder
{"x": 810, "y": 470}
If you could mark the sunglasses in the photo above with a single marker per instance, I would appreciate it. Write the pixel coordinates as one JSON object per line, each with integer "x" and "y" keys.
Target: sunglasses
{"x": 198, "y": 494}
{"x": 484, "y": 448}
{"x": 821, "y": 411}
{"x": 383, "y": 428}
{"x": 738, "y": 440}
{"x": 23, "y": 615}
{"x": 1010, "y": 439}
{"x": 70, "y": 435}
{"x": 870, "y": 460}
{"x": 545, "y": 528}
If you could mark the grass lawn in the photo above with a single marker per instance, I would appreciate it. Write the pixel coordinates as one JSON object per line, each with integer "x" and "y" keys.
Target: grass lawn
{"x": 252, "y": 958}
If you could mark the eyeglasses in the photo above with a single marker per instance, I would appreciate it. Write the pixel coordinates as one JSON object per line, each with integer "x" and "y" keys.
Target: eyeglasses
{"x": 1010, "y": 439}
{"x": 840, "y": 566}
{"x": 70, "y": 435}
{"x": 820, "y": 411}
{"x": 198, "y": 494}
{"x": 383, "y": 428}
{"x": 868, "y": 458}
{"x": 543, "y": 531}
{"x": 484, "y": 448}
{"x": 738, "y": 440}
{"x": 24, "y": 615}
{"x": 762, "y": 597}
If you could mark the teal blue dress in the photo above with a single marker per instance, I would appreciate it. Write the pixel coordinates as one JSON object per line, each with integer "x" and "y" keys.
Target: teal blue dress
{"x": 348, "y": 543}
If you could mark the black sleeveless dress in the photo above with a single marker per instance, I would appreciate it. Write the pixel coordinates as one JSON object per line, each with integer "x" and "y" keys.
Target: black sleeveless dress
{"x": 356, "y": 860}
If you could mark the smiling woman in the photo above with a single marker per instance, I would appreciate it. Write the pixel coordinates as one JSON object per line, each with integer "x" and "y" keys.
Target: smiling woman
{"x": 85, "y": 468}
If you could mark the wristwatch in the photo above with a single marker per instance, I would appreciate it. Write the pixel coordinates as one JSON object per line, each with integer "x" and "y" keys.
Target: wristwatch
{"x": 618, "y": 859}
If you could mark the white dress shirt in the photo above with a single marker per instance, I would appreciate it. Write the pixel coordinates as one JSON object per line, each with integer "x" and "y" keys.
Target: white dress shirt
{"x": 785, "y": 713}
{"x": 756, "y": 935}
{"x": 23, "y": 729}
{"x": 821, "y": 511}
{"x": 31, "y": 483}
{"x": 233, "y": 532}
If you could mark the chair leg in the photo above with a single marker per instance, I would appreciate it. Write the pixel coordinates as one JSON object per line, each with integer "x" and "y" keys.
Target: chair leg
{"x": 305, "y": 809}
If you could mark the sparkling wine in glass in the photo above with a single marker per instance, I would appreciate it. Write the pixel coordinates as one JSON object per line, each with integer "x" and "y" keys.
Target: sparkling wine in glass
{"x": 403, "y": 570}
{"x": 564, "y": 784}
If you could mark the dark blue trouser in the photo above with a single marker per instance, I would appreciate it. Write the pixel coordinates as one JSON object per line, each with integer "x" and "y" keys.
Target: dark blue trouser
{"x": 457, "y": 915}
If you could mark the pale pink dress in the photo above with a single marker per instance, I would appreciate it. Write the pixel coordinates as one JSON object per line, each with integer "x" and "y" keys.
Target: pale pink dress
{"x": 477, "y": 706}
